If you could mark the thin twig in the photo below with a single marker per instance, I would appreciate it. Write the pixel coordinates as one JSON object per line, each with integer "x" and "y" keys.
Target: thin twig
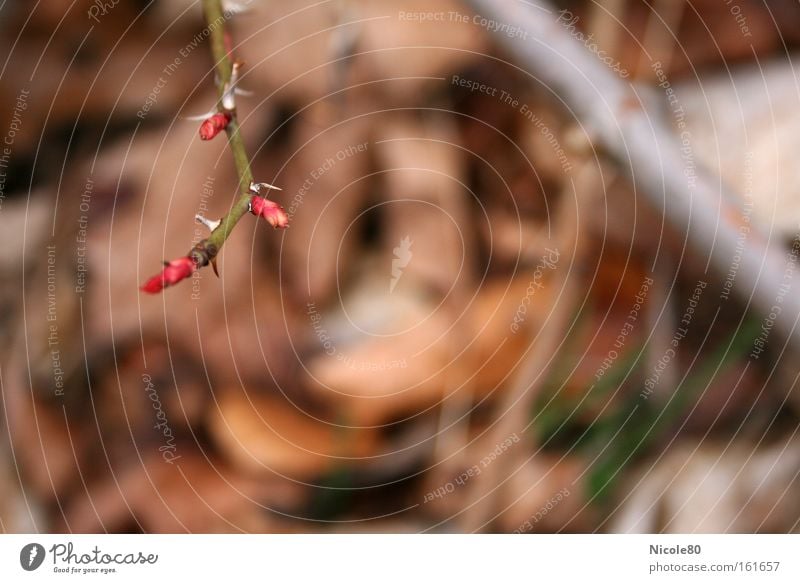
{"x": 207, "y": 249}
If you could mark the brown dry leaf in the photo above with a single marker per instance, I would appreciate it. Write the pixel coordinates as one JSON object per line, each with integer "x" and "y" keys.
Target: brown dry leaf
{"x": 195, "y": 494}
{"x": 505, "y": 317}
{"x": 267, "y": 434}
{"x": 388, "y": 354}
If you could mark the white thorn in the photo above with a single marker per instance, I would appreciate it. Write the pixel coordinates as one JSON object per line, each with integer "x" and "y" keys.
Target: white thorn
{"x": 228, "y": 98}
{"x": 232, "y": 7}
{"x": 210, "y": 225}
{"x": 201, "y": 117}
{"x": 256, "y": 187}
{"x": 229, "y": 91}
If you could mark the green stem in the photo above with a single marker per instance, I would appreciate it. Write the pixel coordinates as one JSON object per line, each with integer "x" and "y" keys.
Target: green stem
{"x": 207, "y": 249}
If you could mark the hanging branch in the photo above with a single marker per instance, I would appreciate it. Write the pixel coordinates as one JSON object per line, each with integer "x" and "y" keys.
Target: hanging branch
{"x": 250, "y": 197}
{"x": 643, "y": 144}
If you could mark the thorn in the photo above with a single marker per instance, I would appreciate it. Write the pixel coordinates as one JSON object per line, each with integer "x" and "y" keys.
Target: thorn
{"x": 214, "y": 266}
{"x": 209, "y": 224}
{"x": 233, "y": 7}
{"x": 229, "y": 93}
{"x": 201, "y": 117}
{"x": 228, "y": 99}
{"x": 256, "y": 187}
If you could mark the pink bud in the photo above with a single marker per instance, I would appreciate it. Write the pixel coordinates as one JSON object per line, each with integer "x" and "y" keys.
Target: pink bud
{"x": 173, "y": 272}
{"x": 271, "y": 211}
{"x": 214, "y": 125}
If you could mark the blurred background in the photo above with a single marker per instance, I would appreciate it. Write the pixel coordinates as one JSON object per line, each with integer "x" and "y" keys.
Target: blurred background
{"x": 475, "y": 322}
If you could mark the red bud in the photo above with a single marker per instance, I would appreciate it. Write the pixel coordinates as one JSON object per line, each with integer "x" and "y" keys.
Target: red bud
{"x": 173, "y": 272}
{"x": 269, "y": 210}
{"x": 214, "y": 125}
